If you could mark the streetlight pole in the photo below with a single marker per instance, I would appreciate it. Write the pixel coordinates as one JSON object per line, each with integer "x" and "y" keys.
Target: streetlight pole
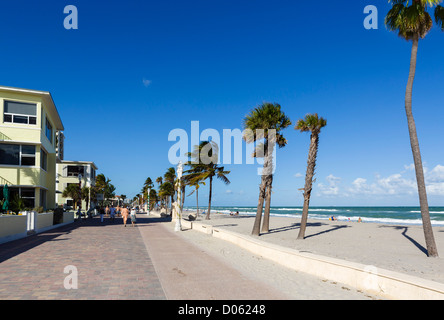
{"x": 149, "y": 191}
{"x": 80, "y": 195}
{"x": 179, "y": 195}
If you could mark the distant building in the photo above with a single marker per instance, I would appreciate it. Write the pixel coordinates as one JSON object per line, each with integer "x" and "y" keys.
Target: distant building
{"x": 29, "y": 127}
{"x": 68, "y": 173}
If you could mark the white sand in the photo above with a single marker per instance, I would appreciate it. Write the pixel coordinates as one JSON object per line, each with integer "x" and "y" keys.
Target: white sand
{"x": 399, "y": 248}
{"x": 392, "y": 247}
{"x": 295, "y": 285}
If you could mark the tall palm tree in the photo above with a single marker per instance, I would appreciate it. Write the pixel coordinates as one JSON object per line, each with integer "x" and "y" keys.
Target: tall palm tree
{"x": 413, "y": 22}
{"x": 166, "y": 190}
{"x": 147, "y": 185}
{"x": 265, "y": 122}
{"x": 170, "y": 177}
{"x": 196, "y": 184}
{"x": 203, "y": 165}
{"x": 312, "y": 123}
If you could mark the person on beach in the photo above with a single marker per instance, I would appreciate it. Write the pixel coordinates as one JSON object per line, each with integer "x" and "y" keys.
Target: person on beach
{"x": 107, "y": 211}
{"x": 112, "y": 213}
{"x": 133, "y": 216}
{"x": 359, "y": 220}
{"x": 125, "y": 214}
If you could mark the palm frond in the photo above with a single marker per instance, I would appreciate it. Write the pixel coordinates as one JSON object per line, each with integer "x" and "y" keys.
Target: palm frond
{"x": 439, "y": 17}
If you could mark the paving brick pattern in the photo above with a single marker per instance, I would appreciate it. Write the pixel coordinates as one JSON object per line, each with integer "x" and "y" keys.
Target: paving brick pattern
{"x": 111, "y": 260}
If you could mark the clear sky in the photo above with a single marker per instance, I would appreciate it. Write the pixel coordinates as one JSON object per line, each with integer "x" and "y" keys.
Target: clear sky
{"x": 135, "y": 70}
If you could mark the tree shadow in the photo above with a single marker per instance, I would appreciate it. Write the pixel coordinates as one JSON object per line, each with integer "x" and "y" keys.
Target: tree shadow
{"x": 294, "y": 226}
{"x": 13, "y": 248}
{"x": 334, "y": 228}
{"x": 225, "y": 225}
{"x": 404, "y": 233}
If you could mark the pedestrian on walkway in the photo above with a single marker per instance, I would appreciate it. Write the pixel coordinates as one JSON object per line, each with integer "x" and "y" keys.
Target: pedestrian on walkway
{"x": 118, "y": 210}
{"x": 101, "y": 212}
{"x": 125, "y": 214}
{"x": 112, "y": 212}
{"x": 107, "y": 211}
{"x": 133, "y": 216}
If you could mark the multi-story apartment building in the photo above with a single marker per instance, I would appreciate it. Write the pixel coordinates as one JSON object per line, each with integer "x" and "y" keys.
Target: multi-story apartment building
{"x": 73, "y": 172}
{"x": 29, "y": 122}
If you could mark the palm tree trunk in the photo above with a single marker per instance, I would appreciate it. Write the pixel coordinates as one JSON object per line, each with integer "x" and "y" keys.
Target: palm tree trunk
{"x": 260, "y": 205}
{"x": 266, "y": 222}
{"x": 207, "y": 217}
{"x": 197, "y": 203}
{"x": 311, "y": 164}
{"x": 427, "y": 225}
{"x": 268, "y": 167}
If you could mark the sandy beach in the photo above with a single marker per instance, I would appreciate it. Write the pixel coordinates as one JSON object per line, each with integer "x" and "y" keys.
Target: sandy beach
{"x": 399, "y": 248}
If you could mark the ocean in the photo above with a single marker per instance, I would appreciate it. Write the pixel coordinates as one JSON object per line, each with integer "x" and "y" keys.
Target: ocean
{"x": 384, "y": 215}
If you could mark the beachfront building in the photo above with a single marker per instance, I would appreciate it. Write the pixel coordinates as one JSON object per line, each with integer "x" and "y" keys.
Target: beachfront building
{"x": 29, "y": 122}
{"x": 75, "y": 172}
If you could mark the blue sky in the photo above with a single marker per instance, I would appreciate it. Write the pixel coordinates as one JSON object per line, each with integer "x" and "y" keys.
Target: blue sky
{"x": 135, "y": 70}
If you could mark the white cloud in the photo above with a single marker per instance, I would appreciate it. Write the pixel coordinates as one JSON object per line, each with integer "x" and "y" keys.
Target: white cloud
{"x": 298, "y": 175}
{"x": 435, "y": 180}
{"x": 228, "y": 191}
{"x": 396, "y": 184}
{"x": 331, "y": 189}
{"x": 403, "y": 183}
{"x": 146, "y": 82}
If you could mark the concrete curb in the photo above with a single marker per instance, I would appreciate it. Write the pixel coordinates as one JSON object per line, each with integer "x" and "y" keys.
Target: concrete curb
{"x": 371, "y": 279}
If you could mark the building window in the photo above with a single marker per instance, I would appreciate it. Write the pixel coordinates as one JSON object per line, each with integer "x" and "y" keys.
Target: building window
{"x": 18, "y": 112}
{"x": 27, "y": 194}
{"x": 9, "y": 154}
{"x": 48, "y": 130}
{"x": 27, "y": 156}
{"x": 18, "y": 155}
{"x": 43, "y": 199}
{"x": 43, "y": 159}
{"x": 74, "y": 171}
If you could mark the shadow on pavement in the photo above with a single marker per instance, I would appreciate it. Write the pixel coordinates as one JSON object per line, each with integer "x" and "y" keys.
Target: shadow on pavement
{"x": 13, "y": 248}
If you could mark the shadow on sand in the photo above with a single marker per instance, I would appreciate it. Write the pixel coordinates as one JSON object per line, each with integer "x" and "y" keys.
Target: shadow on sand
{"x": 404, "y": 233}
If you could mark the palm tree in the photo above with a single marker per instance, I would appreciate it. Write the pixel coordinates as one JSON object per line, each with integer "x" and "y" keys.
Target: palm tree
{"x": 72, "y": 191}
{"x": 147, "y": 185}
{"x": 153, "y": 198}
{"x": 203, "y": 166}
{"x": 265, "y": 122}
{"x": 104, "y": 186}
{"x": 166, "y": 190}
{"x": 413, "y": 23}
{"x": 170, "y": 177}
{"x": 314, "y": 124}
{"x": 85, "y": 193}
{"x": 196, "y": 184}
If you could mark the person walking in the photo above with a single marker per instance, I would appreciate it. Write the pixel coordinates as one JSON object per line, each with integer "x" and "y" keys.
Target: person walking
{"x": 133, "y": 217}
{"x": 125, "y": 214}
{"x": 112, "y": 213}
{"x": 102, "y": 213}
{"x": 118, "y": 210}
{"x": 107, "y": 211}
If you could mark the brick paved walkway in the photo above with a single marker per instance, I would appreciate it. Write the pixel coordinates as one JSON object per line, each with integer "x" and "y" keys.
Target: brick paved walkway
{"x": 111, "y": 260}
{"x": 149, "y": 262}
